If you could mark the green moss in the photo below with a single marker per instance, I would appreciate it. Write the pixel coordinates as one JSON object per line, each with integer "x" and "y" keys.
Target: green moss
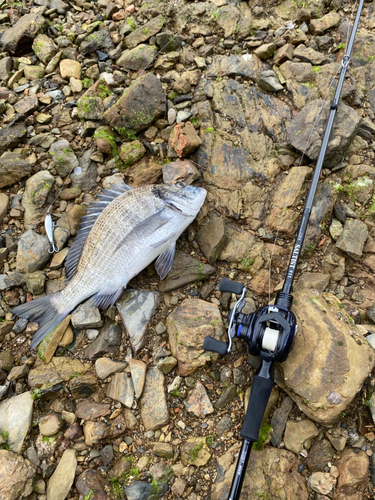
{"x": 264, "y": 433}
{"x": 89, "y": 495}
{"x": 87, "y": 104}
{"x": 172, "y": 95}
{"x": 4, "y": 435}
{"x": 87, "y": 82}
{"x": 127, "y": 132}
{"x": 246, "y": 263}
{"x": 75, "y": 375}
{"x": 104, "y": 91}
{"x": 316, "y": 69}
{"x": 37, "y": 47}
{"x": 341, "y": 46}
{"x": 194, "y": 452}
{"x": 145, "y": 31}
{"x": 210, "y": 129}
{"x": 118, "y": 482}
{"x": 130, "y": 21}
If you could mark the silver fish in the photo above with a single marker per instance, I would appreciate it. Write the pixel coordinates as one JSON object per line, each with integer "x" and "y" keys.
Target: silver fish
{"x": 121, "y": 234}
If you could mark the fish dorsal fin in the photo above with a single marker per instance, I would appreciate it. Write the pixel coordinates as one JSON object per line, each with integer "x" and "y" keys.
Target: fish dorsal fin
{"x": 87, "y": 221}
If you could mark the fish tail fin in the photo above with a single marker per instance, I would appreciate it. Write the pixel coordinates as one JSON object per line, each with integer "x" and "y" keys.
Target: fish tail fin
{"x": 42, "y": 311}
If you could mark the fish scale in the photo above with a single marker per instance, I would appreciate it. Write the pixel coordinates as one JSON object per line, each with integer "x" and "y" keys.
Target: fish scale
{"x": 127, "y": 234}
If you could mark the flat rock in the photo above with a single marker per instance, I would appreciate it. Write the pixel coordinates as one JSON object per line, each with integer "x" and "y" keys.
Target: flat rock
{"x": 320, "y": 454}
{"x": 279, "y": 419}
{"x": 296, "y": 433}
{"x": 138, "y": 373}
{"x": 180, "y": 171}
{"x": 143, "y": 33}
{"x": 324, "y": 381}
{"x": 247, "y": 65}
{"x": 154, "y": 409}
{"x": 108, "y": 341}
{"x": 184, "y": 139}
{"x": 346, "y": 127}
{"x": 94, "y": 432}
{"x": 353, "y": 473}
{"x": 198, "y": 402}
{"x": 99, "y": 40}
{"x": 37, "y": 189}
{"x": 316, "y": 281}
{"x": 58, "y": 370}
{"x": 138, "y": 58}
{"x": 185, "y": 269}
{"x": 13, "y": 168}
{"x": 273, "y": 475}
{"x": 18, "y": 39}
{"x": 322, "y": 25}
{"x": 26, "y": 105}
{"x": 136, "y": 308}
{"x": 121, "y": 389}
{"x": 353, "y": 238}
{"x": 188, "y": 326}
{"x": 307, "y": 54}
{"x": 16, "y": 476}
{"x": 63, "y": 477}
{"x": 15, "y": 417}
{"x": 49, "y": 425}
{"x": 143, "y": 491}
{"x": 212, "y": 237}
{"x": 139, "y": 106}
{"x": 63, "y": 157}
{"x": 195, "y": 452}
{"x": 86, "y": 316}
{"x": 32, "y": 253}
{"x": 48, "y": 346}
{"x": 105, "y": 367}
{"x": 89, "y": 410}
{"x": 11, "y": 136}
{"x": 45, "y": 48}
{"x": 91, "y": 481}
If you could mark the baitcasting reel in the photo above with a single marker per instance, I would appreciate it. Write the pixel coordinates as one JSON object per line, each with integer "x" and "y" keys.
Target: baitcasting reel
{"x": 269, "y": 332}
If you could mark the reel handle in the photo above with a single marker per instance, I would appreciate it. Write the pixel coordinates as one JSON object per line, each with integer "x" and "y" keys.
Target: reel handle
{"x": 213, "y": 345}
{"x": 230, "y": 286}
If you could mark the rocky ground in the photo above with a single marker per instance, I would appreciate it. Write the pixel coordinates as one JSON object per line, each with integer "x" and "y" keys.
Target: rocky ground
{"x": 124, "y": 402}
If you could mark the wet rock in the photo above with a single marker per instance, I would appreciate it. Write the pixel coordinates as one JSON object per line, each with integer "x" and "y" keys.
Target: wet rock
{"x": 32, "y": 253}
{"x": 63, "y": 477}
{"x": 322, "y": 25}
{"x": 320, "y": 454}
{"x": 198, "y": 402}
{"x": 136, "y": 308}
{"x": 353, "y": 238}
{"x": 121, "y": 389}
{"x": 143, "y": 33}
{"x": 91, "y": 481}
{"x": 138, "y": 107}
{"x": 34, "y": 198}
{"x": 180, "y": 171}
{"x": 63, "y": 157}
{"x": 212, "y": 237}
{"x": 86, "y": 316}
{"x": 12, "y": 168}
{"x": 15, "y": 417}
{"x": 346, "y": 126}
{"x": 138, "y": 58}
{"x": 105, "y": 367}
{"x": 353, "y": 473}
{"x": 322, "y": 482}
{"x": 188, "y": 326}
{"x": 142, "y": 491}
{"x": 325, "y": 325}
{"x": 138, "y": 373}
{"x": 99, "y": 40}
{"x": 316, "y": 281}
{"x": 16, "y": 476}
{"x": 185, "y": 269}
{"x": 11, "y": 136}
{"x": 154, "y": 409}
{"x": 195, "y": 452}
{"x": 49, "y": 425}
{"x": 184, "y": 139}
{"x": 278, "y": 421}
{"x": 18, "y": 39}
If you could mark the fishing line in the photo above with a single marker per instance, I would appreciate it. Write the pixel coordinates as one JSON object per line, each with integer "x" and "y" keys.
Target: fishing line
{"x": 304, "y": 152}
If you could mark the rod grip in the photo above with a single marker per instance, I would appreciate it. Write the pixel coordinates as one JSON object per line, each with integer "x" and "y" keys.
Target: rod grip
{"x": 213, "y": 345}
{"x": 259, "y": 396}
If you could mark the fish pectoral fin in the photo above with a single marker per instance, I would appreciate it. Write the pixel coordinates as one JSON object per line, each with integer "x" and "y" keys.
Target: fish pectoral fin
{"x": 103, "y": 300}
{"x": 164, "y": 262}
{"x": 159, "y": 243}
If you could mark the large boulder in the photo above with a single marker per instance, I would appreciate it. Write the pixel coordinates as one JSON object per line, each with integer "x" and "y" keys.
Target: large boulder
{"x": 138, "y": 107}
{"x": 16, "y": 476}
{"x": 18, "y": 39}
{"x": 330, "y": 359}
{"x": 343, "y": 133}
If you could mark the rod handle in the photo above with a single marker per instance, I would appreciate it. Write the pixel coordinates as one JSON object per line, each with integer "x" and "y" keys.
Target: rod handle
{"x": 211, "y": 344}
{"x": 259, "y": 396}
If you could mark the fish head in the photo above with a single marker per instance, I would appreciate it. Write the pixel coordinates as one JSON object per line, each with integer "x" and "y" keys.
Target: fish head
{"x": 183, "y": 198}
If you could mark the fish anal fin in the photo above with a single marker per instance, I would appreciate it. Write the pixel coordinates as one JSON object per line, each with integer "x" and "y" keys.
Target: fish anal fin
{"x": 164, "y": 262}
{"x": 103, "y": 301}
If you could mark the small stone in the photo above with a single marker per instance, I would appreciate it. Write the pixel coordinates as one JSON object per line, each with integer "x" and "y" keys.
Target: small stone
{"x": 335, "y": 229}
{"x": 131, "y": 152}
{"x": 138, "y": 373}
{"x": 163, "y": 450}
{"x": 105, "y": 367}
{"x": 63, "y": 477}
{"x": 107, "y": 455}
{"x": 353, "y": 238}
{"x": 184, "y": 139}
{"x": 16, "y": 475}
{"x": 195, "y": 452}
{"x": 296, "y": 434}
{"x": 121, "y": 389}
{"x": 166, "y": 365}
{"x": 322, "y": 482}
{"x": 70, "y": 68}
{"x": 198, "y": 402}
{"x": 86, "y": 316}
{"x": 154, "y": 409}
{"x": 49, "y": 425}
{"x": 94, "y": 432}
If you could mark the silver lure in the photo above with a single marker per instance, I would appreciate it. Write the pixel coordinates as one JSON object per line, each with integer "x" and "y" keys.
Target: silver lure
{"x": 49, "y": 226}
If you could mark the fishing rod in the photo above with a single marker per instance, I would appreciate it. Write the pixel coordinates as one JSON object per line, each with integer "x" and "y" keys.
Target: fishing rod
{"x": 270, "y": 331}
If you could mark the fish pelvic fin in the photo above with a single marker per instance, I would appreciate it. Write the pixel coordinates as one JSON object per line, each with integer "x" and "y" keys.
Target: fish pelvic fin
{"x": 44, "y": 313}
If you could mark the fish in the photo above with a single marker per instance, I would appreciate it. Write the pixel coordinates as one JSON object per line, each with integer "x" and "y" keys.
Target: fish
{"x": 120, "y": 235}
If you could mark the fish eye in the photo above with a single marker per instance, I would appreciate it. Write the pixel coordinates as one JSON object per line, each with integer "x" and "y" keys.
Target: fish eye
{"x": 180, "y": 184}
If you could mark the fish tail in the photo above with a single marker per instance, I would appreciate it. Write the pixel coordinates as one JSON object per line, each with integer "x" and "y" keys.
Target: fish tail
{"x": 42, "y": 311}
